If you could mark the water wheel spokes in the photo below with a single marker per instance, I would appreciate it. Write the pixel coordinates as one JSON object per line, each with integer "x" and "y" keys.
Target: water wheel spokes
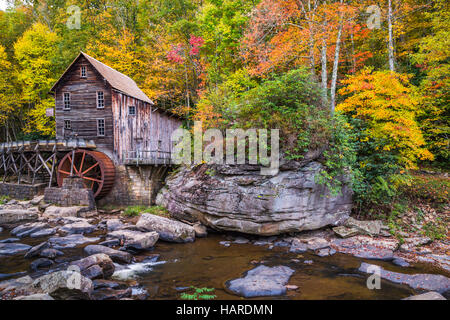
{"x": 94, "y": 168}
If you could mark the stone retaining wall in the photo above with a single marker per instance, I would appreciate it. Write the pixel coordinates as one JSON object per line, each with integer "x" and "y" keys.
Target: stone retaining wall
{"x": 136, "y": 185}
{"x": 21, "y": 191}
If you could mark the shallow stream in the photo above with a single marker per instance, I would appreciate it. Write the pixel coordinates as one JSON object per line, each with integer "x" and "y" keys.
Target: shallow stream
{"x": 207, "y": 263}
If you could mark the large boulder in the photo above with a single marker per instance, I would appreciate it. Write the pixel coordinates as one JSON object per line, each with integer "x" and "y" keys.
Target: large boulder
{"x": 428, "y": 282}
{"x": 115, "y": 255}
{"x": 262, "y": 281}
{"x": 57, "y": 212}
{"x": 9, "y": 217}
{"x": 238, "y": 198}
{"x": 21, "y": 286}
{"x": 64, "y": 285}
{"x": 70, "y": 241}
{"x": 135, "y": 239}
{"x": 97, "y": 266}
{"x": 168, "y": 229}
{"x": 79, "y": 227}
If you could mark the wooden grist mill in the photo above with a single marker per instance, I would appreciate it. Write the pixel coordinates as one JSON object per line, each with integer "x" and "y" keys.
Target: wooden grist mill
{"x": 107, "y": 130}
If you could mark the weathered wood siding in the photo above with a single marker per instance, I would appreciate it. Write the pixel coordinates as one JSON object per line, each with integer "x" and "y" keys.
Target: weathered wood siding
{"x": 83, "y": 100}
{"x": 149, "y": 129}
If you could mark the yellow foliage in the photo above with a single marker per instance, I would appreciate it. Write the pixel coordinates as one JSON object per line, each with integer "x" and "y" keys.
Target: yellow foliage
{"x": 388, "y": 105}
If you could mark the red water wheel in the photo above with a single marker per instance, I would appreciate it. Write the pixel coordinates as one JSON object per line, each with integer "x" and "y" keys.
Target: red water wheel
{"x": 95, "y": 168}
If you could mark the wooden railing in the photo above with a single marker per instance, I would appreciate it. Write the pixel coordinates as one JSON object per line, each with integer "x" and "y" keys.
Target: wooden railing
{"x": 29, "y": 161}
{"x": 147, "y": 157}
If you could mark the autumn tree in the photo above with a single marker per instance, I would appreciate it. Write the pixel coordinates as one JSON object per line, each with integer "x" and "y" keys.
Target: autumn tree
{"x": 286, "y": 34}
{"x": 433, "y": 58}
{"x": 7, "y": 97}
{"x": 386, "y": 103}
{"x": 35, "y": 53}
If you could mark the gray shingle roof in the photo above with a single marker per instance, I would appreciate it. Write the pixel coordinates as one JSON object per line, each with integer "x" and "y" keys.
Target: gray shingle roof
{"x": 117, "y": 80}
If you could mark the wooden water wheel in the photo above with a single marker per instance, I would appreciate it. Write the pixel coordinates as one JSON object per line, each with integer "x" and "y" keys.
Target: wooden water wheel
{"x": 95, "y": 168}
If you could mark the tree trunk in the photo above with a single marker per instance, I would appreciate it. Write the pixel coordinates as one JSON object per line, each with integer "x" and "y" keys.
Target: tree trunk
{"x": 391, "y": 40}
{"x": 335, "y": 67}
{"x": 353, "y": 52}
{"x": 323, "y": 59}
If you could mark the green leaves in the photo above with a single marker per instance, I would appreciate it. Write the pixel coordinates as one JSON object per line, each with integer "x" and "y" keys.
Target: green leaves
{"x": 199, "y": 294}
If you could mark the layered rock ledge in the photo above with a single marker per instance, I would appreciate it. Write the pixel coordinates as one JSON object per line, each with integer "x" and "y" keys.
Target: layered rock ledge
{"x": 238, "y": 198}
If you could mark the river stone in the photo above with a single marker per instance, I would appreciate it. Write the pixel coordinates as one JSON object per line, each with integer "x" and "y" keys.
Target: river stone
{"x": 429, "y": 282}
{"x": 20, "y": 285}
{"x": 50, "y": 253}
{"x": 345, "y": 232}
{"x": 37, "y": 296}
{"x": 111, "y": 294}
{"x": 200, "y": 230}
{"x": 238, "y": 198}
{"x": 365, "y": 247}
{"x": 28, "y": 228}
{"x": 168, "y": 229}
{"x": 4, "y": 276}
{"x": 371, "y": 228}
{"x": 36, "y": 200}
{"x": 43, "y": 233}
{"x": 64, "y": 285}
{"x": 80, "y": 227}
{"x": 16, "y": 216}
{"x": 110, "y": 243}
{"x": 298, "y": 247}
{"x": 115, "y": 255}
{"x": 262, "y": 281}
{"x": 93, "y": 272}
{"x": 70, "y": 241}
{"x": 400, "y": 262}
{"x": 55, "y": 212}
{"x": 36, "y": 250}
{"x": 11, "y": 249}
{"x": 40, "y": 263}
{"x": 114, "y": 224}
{"x": 375, "y": 253}
{"x": 410, "y": 244}
{"x": 89, "y": 266}
{"x": 136, "y": 239}
{"x": 325, "y": 252}
{"x": 102, "y": 283}
{"x": 9, "y": 240}
{"x": 427, "y": 296}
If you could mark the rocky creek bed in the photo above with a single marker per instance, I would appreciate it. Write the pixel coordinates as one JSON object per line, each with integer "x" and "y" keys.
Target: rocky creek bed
{"x": 156, "y": 258}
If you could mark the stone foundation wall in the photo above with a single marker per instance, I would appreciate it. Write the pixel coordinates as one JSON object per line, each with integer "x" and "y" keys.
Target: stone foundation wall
{"x": 72, "y": 193}
{"x": 21, "y": 191}
{"x": 136, "y": 185}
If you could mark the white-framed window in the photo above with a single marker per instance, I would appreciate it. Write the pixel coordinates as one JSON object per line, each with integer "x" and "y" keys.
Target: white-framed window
{"x": 83, "y": 72}
{"x": 66, "y": 99}
{"x": 132, "y": 110}
{"x": 101, "y": 127}
{"x": 67, "y": 124}
{"x": 100, "y": 100}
